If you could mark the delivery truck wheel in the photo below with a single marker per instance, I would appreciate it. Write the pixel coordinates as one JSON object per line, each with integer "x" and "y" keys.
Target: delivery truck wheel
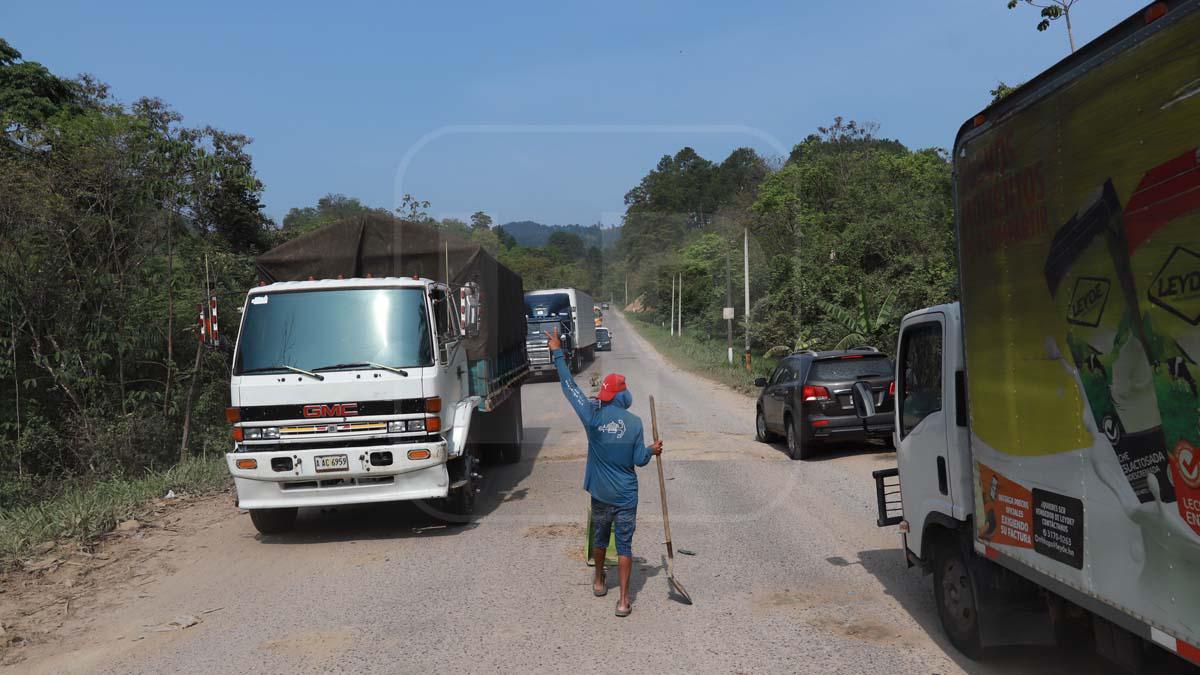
{"x": 954, "y": 591}
{"x": 273, "y": 521}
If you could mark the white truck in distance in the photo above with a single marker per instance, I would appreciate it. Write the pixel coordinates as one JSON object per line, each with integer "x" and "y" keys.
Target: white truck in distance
{"x": 373, "y": 389}
{"x": 1048, "y": 427}
{"x": 570, "y": 312}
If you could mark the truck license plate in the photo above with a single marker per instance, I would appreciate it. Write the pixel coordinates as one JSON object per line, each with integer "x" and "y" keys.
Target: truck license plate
{"x": 332, "y": 463}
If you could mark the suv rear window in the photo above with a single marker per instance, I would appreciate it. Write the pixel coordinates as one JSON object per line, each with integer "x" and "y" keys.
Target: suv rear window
{"x": 852, "y": 369}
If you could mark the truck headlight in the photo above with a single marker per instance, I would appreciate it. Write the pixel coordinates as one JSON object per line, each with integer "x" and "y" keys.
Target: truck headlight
{"x": 397, "y": 427}
{"x": 260, "y": 433}
{"x": 416, "y": 425}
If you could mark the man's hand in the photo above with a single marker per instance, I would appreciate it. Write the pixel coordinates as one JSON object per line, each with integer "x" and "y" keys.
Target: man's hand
{"x": 553, "y": 341}
{"x": 656, "y": 448}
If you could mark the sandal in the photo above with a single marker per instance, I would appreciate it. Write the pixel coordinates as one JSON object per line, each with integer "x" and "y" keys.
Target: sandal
{"x": 603, "y": 580}
{"x": 625, "y": 612}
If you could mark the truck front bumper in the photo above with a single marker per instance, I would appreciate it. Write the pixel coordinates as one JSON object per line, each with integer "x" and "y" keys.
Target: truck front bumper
{"x": 265, "y": 487}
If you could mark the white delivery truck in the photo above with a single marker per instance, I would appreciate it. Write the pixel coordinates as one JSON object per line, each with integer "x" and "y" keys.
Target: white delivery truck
{"x": 570, "y": 312}
{"x": 378, "y": 360}
{"x": 1048, "y": 428}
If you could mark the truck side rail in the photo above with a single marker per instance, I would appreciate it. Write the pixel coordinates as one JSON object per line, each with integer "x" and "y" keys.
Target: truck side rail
{"x": 887, "y": 497}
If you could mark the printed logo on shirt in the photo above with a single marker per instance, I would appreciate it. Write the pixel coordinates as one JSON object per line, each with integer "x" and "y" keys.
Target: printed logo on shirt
{"x": 614, "y": 427}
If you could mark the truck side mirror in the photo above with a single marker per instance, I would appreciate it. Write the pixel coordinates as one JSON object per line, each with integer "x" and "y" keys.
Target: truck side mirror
{"x": 760, "y": 382}
{"x": 468, "y": 307}
{"x": 864, "y": 400}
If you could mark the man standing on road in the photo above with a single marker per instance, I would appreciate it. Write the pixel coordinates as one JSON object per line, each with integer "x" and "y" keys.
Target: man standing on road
{"x": 615, "y": 447}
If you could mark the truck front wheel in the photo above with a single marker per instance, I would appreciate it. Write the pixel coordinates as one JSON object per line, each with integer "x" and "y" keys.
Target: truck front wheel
{"x": 273, "y": 521}
{"x": 514, "y": 432}
{"x": 459, "y": 505}
{"x": 957, "y": 605}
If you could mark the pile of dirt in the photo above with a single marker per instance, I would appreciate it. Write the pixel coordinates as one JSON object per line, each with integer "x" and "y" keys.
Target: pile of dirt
{"x": 638, "y": 305}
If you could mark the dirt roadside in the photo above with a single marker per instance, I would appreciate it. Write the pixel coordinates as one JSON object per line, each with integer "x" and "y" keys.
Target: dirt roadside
{"x": 51, "y": 601}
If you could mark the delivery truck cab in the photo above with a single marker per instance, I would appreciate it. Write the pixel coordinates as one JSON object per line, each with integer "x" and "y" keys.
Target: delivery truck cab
{"x": 1048, "y": 424}
{"x": 371, "y": 389}
{"x": 568, "y": 311}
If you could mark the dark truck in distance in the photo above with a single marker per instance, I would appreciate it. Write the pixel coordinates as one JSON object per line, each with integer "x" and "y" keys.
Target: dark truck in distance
{"x": 807, "y": 399}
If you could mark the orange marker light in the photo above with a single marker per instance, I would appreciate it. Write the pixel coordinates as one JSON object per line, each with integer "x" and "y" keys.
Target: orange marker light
{"x": 433, "y": 405}
{"x": 233, "y": 415}
{"x": 433, "y": 424}
{"x": 979, "y": 120}
{"x": 418, "y": 454}
{"x": 1156, "y": 11}
{"x": 247, "y": 464}
{"x": 238, "y": 434}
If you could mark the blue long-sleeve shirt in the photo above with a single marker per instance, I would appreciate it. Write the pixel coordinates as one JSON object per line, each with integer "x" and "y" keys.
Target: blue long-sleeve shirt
{"x": 615, "y": 441}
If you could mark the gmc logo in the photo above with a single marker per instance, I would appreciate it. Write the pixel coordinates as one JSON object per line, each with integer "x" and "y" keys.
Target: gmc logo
{"x": 333, "y": 410}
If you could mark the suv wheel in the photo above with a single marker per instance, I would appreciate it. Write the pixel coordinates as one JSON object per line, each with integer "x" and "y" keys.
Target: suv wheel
{"x": 760, "y": 428}
{"x": 795, "y": 444}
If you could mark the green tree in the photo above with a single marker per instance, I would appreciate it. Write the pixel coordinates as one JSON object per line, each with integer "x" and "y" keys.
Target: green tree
{"x": 1001, "y": 90}
{"x": 480, "y": 221}
{"x": 1048, "y": 11}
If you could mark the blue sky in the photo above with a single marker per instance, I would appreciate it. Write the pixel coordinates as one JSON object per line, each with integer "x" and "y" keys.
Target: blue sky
{"x": 542, "y": 111}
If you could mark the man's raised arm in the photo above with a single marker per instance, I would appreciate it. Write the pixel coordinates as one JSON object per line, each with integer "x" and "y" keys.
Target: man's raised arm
{"x": 575, "y": 395}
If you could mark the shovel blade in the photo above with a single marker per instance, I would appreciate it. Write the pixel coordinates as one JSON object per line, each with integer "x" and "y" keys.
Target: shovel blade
{"x": 678, "y": 588}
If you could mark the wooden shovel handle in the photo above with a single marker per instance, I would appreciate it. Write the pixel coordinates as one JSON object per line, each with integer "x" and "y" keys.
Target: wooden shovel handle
{"x": 662, "y": 484}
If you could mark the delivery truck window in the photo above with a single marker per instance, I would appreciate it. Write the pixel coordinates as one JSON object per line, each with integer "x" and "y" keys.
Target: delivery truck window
{"x": 920, "y": 374}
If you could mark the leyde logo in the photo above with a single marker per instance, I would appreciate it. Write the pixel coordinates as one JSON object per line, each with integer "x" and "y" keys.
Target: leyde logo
{"x": 1087, "y": 301}
{"x": 1177, "y": 286}
{"x": 1185, "y": 472}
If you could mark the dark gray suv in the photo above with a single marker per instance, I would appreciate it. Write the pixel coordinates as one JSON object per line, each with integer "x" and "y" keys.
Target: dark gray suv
{"x": 807, "y": 400}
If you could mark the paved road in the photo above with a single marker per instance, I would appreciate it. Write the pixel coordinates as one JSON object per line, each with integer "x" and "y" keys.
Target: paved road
{"x": 789, "y": 572}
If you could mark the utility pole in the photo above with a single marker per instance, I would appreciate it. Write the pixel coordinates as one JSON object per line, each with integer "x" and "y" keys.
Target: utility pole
{"x": 746, "y": 254}
{"x": 681, "y": 304}
{"x": 672, "y": 305}
{"x": 626, "y": 289}
{"x": 727, "y": 312}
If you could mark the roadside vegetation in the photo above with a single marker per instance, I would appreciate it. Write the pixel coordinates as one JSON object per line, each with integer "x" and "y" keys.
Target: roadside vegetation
{"x": 84, "y": 510}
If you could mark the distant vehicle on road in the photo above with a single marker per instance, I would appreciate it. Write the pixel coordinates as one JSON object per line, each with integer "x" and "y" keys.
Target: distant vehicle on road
{"x": 564, "y": 310}
{"x": 604, "y": 305}
{"x": 603, "y": 339}
{"x": 807, "y": 399}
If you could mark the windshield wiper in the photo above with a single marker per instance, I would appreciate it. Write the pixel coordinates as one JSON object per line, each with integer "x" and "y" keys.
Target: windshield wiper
{"x": 364, "y": 364}
{"x": 294, "y": 369}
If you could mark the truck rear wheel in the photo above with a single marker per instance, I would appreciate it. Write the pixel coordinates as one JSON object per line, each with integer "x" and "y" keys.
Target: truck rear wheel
{"x": 954, "y": 591}
{"x": 273, "y": 521}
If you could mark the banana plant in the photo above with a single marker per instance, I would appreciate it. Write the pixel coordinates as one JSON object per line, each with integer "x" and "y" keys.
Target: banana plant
{"x": 863, "y": 321}
{"x": 803, "y": 341}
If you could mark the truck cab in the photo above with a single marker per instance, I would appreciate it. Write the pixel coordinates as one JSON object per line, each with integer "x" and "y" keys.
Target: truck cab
{"x": 353, "y": 391}
{"x": 931, "y": 435}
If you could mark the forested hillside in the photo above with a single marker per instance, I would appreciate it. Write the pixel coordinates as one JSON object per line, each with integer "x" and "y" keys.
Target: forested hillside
{"x": 110, "y": 215}
{"x": 529, "y": 233}
{"x": 846, "y": 235}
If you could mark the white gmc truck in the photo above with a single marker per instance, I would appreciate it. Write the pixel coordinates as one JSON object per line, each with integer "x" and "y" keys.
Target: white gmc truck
{"x": 350, "y": 390}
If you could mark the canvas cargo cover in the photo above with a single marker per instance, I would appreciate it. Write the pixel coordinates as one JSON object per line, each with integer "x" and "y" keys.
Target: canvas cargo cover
{"x": 383, "y": 246}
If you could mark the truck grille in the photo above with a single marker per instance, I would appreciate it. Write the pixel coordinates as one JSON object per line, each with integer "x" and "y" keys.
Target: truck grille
{"x": 539, "y": 356}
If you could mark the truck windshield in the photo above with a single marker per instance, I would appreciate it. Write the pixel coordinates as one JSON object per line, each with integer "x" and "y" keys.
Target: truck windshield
{"x": 550, "y": 304}
{"x": 317, "y": 329}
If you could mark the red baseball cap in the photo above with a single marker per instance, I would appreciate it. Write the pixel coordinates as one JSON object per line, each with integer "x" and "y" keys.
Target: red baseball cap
{"x": 614, "y": 383}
